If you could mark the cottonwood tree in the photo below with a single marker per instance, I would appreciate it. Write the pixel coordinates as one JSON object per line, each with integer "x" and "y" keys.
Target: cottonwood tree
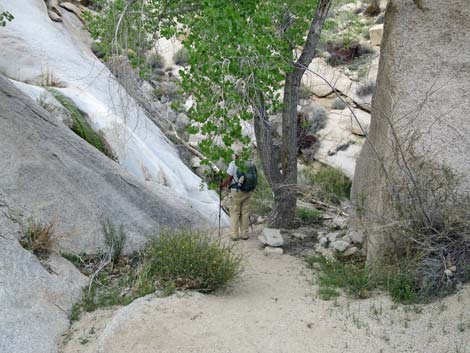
{"x": 246, "y": 61}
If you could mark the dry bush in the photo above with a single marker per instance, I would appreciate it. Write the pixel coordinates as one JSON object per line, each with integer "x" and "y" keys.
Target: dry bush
{"x": 39, "y": 237}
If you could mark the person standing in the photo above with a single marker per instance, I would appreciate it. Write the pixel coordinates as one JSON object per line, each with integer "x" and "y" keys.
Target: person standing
{"x": 241, "y": 187}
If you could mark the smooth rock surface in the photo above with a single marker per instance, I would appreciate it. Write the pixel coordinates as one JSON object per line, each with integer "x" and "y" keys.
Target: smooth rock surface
{"x": 421, "y": 102}
{"x": 48, "y": 172}
{"x": 376, "y": 33}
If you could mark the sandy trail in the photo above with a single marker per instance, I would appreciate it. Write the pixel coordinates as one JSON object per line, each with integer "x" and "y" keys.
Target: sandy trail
{"x": 273, "y": 308}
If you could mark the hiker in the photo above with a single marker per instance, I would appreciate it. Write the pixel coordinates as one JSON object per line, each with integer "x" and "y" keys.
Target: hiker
{"x": 241, "y": 185}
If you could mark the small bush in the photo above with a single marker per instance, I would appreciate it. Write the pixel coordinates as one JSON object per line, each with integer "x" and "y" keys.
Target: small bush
{"x": 115, "y": 239}
{"x": 373, "y": 9}
{"x": 39, "y": 237}
{"x": 345, "y": 52}
{"x": 317, "y": 119}
{"x": 188, "y": 261}
{"x": 81, "y": 126}
{"x": 330, "y": 184}
{"x": 181, "y": 57}
{"x": 358, "y": 281}
{"x": 309, "y": 216}
{"x": 305, "y": 92}
{"x": 155, "y": 61}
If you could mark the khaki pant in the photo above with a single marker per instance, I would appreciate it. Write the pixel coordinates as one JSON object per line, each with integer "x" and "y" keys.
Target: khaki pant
{"x": 239, "y": 213}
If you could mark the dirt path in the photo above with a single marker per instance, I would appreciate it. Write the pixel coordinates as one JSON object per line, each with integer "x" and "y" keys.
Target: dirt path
{"x": 273, "y": 308}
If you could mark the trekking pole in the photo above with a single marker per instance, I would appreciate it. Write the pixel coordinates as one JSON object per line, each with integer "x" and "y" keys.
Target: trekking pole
{"x": 220, "y": 202}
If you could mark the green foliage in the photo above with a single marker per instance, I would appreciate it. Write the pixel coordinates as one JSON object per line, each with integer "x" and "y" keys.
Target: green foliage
{"x": 5, "y": 17}
{"x": 119, "y": 30}
{"x": 238, "y": 54}
{"x": 358, "y": 281}
{"x": 330, "y": 184}
{"x": 188, "y": 261}
{"x": 80, "y": 125}
{"x": 309, "y": 216}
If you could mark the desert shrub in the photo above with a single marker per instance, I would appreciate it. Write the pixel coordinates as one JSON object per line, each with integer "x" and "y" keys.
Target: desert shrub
{"x": 345, "y": 51}
{"x": 366, "y": 90}
{"x": 114, "y": 238}
{"x": 155, "y": 61}
{"x": 309, "y": 216}
{"x": 373, "y": 9}
{"x": 338, "y": 104}
{"x": 181, "y": 57}
{"x": 189, "y": 261}
{"x": 39, "y": 237}
{"x": 329, "y": 184}
{"x": 5, "y": 17}
{"x": 81, "y": 126}
{"x": 315, "y": 118}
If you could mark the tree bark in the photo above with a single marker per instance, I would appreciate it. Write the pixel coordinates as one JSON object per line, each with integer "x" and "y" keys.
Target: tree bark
{"x": 283, "y": 180}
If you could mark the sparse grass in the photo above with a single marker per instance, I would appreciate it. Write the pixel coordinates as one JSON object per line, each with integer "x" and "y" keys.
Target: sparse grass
{"x": 39, "y": 237}
{"x": 114, "y": 238}
{"x": 309, "y": 216}
{"x": 330, "y": 184}
{"x": 81, "y": 126}
{"x": 189, "y": 261}
{"x": 354, "y": 277}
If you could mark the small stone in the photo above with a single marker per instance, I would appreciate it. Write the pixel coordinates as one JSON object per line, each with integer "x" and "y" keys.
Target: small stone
{"x": 270, "y": 251}
{"x": 260, "y": 220}
{"x": 346, "y": 238}
{"x": 322, "y": 241}
{"x": 340, "y": 245}
{"x": 448, "y": 273}
{"x": 300, "y": 236}
{"x": 356, "y": 237}
{"x": 351, "y": 251}
{"x": 453, "y": 268}
{"x": 340, "y": 222}
{"x": 271, "y": 237}
{"x": 332, "y": 236}
{"x": 195, "y": 162}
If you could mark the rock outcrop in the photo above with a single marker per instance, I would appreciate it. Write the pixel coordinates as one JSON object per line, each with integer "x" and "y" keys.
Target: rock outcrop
{"x": 420, "y": 110}
{"x": 47, "y": 171}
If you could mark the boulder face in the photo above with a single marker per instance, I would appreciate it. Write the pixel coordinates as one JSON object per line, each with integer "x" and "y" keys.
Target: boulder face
{"x": 47, "y": 172}
{"x": 420, "y": 111}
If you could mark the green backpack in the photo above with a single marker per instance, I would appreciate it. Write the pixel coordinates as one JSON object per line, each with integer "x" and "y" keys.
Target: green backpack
{"x": 250, "y": 177}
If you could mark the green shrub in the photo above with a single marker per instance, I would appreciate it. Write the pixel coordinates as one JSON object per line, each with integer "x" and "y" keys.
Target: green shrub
{"x": 155, "y": 61}
{"x": 80, "y": 125}
{"x": 188, "y": 261}
{"x": 309, "y": 216}
{"x": 330, "y": 184}
{"x": 358, "y": 281}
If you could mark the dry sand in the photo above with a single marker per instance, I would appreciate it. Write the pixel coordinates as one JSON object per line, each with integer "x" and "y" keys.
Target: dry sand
{"x": 273, "y": 308}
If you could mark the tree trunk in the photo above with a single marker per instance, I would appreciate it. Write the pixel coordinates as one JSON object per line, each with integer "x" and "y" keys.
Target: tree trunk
{"x": 283, "y": 181}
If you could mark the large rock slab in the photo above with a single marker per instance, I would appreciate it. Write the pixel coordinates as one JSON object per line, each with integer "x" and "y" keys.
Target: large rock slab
{"x": 47, "y": 171}
{"x": 34, "y": 304}
{"x": 421, "y": 103}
